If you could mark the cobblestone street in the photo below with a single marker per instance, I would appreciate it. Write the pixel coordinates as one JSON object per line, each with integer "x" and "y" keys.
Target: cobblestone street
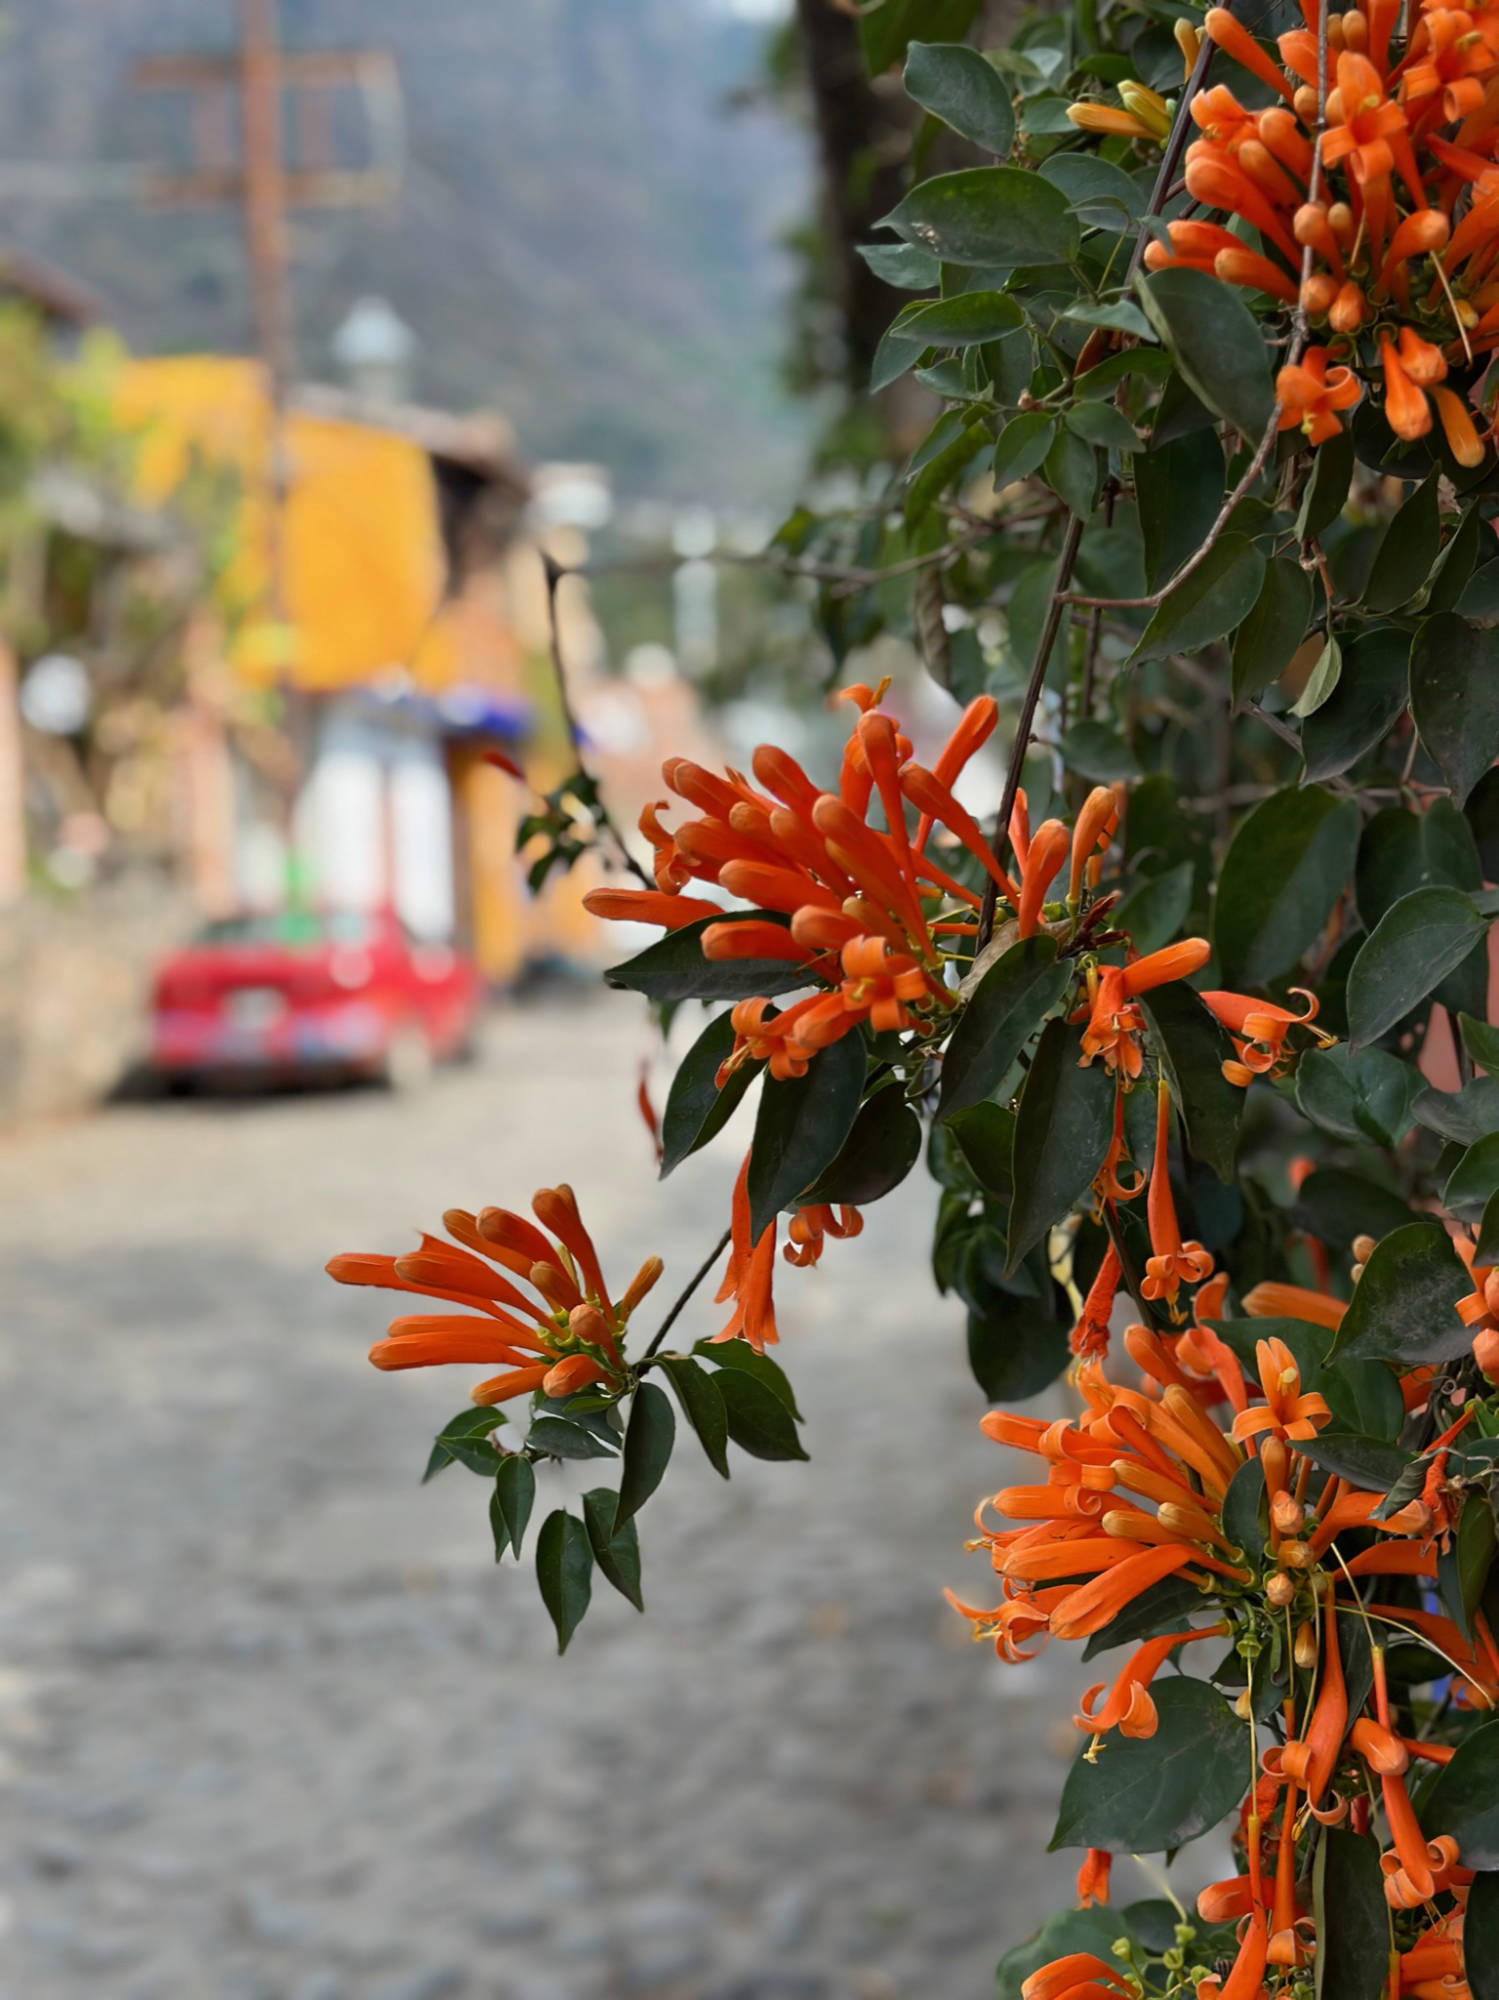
{"x": 273, "y": 1725}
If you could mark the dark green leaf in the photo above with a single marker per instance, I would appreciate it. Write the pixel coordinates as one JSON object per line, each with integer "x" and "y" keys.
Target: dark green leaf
{"x": 1353, "y": 1920}
{"x": 1102, "y": 197}
{"x": 465, "y": 1441}
{"x": 1486, "y": 1250}
{"x": 1337, "y": 1206}
{"x": 985, "y": 1136}
{"x": 1415, "y": 944}
{"x": 1143, "y": 1795}
{"x": 1156, "y": 908}
{"x": 987, "y": 216}
{"x": 511, "y": 1502}
{"x": 1008, "y": 1005}
{"x": 673, "y": 968}
{"x": 1097, "y": 752}
{"x": 886, "y": 27}
{"x": 564, "y": 1570}
{"x": 616, "y": 1549}
{"x": 895, "y": 355}
{"x": 1179, "y": 489}
{"x": 1403, "y": 1307}
{"x": 1285, "y": 868}
{"x": 1216, "y": 343}
{"x": 1211, "y": 601}
{"x": 1023, "y": 444}
{"x": 1401, "y": 851}
{"x": 1455, "y": 697}
{"x": 1193, "y": 1049}
{"x": 1358, "y": 1093}
{"x": 1481, "y": 1938}
{"x": 649, "y": 1437}
{"x": 1407, "y": 549}
{"x": 905, "y": 266}
{"x": 1371, "y": 1464}
{"x": 1473, "y": 1180}
{"x": 1362, "y": 709}
{"x": 1327, "y": 489}
{"x": 556, "y": 1437}
{"x": 1481, "y": 1041}
{"x": 758, "y": 1420}
{"x": 1482, "y": 815}
{"x": 1068, "y": 1931}
{"x": 702, "y": 1406}
{"x": 1321, "y": 683}
{"x": 1166, "y": 1606}
{"x": 1246, "y": 1511}
{"x": 1463, "y": 1567}
{"x": 801, "y": 1126}
{"x": 1016, "y": 1347}
{"x": 739, "y": 1356}
{"x": 1464, "y": 1116}
{"x": 967, "y": 319}
{"x": 880, "y": 1150}
{"x": 1064, "y": 1123}
{"x": 1276, "y": 625}
{"x": 1463, "y": 1801}
{"x": 1070, "y": 468}
{"x": 955, "y": 84}
{"x": 696, "y": 1108}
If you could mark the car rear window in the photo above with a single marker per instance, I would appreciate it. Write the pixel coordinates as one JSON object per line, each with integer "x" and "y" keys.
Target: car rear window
{"x": 289, "y": 927}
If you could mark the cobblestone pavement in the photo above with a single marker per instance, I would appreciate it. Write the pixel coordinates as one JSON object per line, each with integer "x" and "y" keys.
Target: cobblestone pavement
{"x": 273, "y": 1726}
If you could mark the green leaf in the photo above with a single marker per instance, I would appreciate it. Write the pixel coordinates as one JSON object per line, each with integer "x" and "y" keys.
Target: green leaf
{"x": 1371, "y": 1464}
{"x": 1464, "y": 1116}
{"x": 758, "y": 1420}
{"x": 673, "y": 968}
{"x": 616, "y": 1549}
{"x": 1463, "y": 1800}
{"x": 1481, "y": 1938}
{"x": 1358, "y": 1093}
{"x": 1143, "y": 1795}
{"x": 880, "y": 1150}
{"x": 1455, "y": 697}
{"x": 1404, "y": 1306}
{"x": 955, "y": 84}
{"x": 1179, "y": 490}
{"x": 1486, "y": 1250}
{"x": 1246, "y": 1513}
{"x": 1102, "y": 196}
{"x": 464, "y": 1440}
{"x": 1068, "y": 1931}
{"x": 1064, "y": 1122}
{"x": 1321, "y": 682}
{"x": 1353, "y": 1920}
{"x": 511, "y": 1502}
{"x": 886, "y": 27}
{"x": 696, "y": 1109}
{"x": 985, "y": 1136}
{"x": 1070, "y": 468}
{"x": 1097, "y": 752}
{"x": 1156, "y": 908}
{"x": 1463, "y": 1567}
{"x": 1210, "y": 602}
{"x": 1481, "y": 1041}
{"x": 1193, "y": 1049}
{"x": 1401, "y": 851}
{"x": 987, "y": 216}
{"x": 1337, "y": 1206}
{"x": 1326, "y": 491}
{"x": 1285, "y": 868}
{"x": 739, "y": 1357}
{"x": 1023, "y": 445}
{"x": 557, "y": 1437}
{"x": 564, "y": 1570}
{"x": 1277, "y": 623}
{"x": 1008, "y": 1005}
{"x": 1407, "y": 549}
{"x": 1216, "y": 343}
{"x": 967, "y": 319}
{"x": 649, "y": 1437}
{"x": 1016, "y": 1347}
{"x": 801, "y": 1126}
{"x": 1364, "y": 706}
{"x": 903, "y": 266}
{"x": 702, "y": 1405}
{"x": 1473, "y": 1180}
{"x": 1412, "y": 948}
{"x": 895, "y": 355}
{"x": 1166, "y": 1606}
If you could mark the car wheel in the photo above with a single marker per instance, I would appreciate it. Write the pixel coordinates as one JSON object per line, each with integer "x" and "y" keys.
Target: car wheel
{"x": 408, "y": 1061}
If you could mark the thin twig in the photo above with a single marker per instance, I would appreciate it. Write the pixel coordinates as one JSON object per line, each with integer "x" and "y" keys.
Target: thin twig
{"x": 602, "y": 817}
{"x": 683, "y": 1296}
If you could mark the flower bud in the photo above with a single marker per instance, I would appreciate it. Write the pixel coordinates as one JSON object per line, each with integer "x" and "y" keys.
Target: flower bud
{"x": 1287, "y": 1515}
{"x": 1304, "y": 1652}
{"x": 1280, "y": 1589}
{"x": 1297, "y": 1555}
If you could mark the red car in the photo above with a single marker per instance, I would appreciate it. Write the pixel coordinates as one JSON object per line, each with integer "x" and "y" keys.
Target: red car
{"x": 299, "y": 992}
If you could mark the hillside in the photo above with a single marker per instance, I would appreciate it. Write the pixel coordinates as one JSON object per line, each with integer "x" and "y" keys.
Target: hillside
{"x": 586, "y": 237}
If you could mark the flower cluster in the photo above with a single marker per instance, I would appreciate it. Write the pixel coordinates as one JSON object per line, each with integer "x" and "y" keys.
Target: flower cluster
{"x": 1372, "y": 192}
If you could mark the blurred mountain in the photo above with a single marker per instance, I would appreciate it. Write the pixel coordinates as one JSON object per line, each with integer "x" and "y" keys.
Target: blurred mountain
{"x": 587, "y": 237}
